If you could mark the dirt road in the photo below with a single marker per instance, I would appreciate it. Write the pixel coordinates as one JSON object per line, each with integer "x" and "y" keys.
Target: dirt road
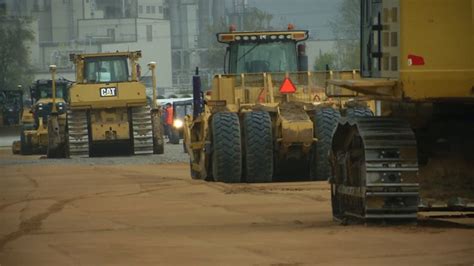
{"x": 91, "y": 213}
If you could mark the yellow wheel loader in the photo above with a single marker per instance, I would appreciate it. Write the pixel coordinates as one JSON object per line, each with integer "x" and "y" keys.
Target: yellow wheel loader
{"x": 108, "y": 112}
{"x": 267, "y": 117}
{"x": 417, "y": 61}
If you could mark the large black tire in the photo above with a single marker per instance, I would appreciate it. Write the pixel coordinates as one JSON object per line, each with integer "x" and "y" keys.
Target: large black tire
{"x": 25, "y": 145}
{"x": 325, "y": 121}
{"x": 258, "y": 142}
{"x": 227, "y": 150}
{"x": 359, "y": 111}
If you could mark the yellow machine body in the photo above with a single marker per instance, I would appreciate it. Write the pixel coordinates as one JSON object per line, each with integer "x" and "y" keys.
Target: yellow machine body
{"x": 87, "y": 96}
{"x": 108, "y": 104}
{"x": 262, "y": 88}
{"x": 34, "y": 119}
{"x": 432, "y": 30}
{"x": 426, "y": 52}
{"x": 418, "y": 63}
{"x": 109, "y": 118}
{"x": 27, "y": 115}
{"x": 37, "y": 136}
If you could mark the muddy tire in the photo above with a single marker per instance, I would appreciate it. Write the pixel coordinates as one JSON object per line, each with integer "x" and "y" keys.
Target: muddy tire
{"x": 355, "y": 112}
{"x": 258, "y": 141}
{"x": 325, "y": 121}
{"x": 227, "y": 151}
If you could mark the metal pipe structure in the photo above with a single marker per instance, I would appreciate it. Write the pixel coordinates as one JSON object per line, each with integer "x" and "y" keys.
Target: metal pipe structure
{"x": 151, "y": 67}
{"x": 52, "y": 69}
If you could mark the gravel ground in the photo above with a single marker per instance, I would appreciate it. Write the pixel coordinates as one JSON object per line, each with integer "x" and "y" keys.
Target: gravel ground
{"x": 173, "y": 154}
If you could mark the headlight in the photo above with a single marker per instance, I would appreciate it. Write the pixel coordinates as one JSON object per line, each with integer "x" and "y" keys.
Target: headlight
{"x": 178, "y": 123}
{"x": 10, "y": 110}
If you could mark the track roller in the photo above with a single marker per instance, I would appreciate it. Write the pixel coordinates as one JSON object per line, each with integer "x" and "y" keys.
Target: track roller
{"x": 142, "y": 130}
{"x": 375, "y": 165}
{"x": 78, "y": 133}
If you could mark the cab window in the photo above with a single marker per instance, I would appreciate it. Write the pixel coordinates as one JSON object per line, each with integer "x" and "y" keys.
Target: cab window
{"x": 257, "y": 57}
{"x": 106, "y": 69}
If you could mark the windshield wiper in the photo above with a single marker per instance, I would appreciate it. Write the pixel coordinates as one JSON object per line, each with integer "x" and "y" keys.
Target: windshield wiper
{"x": 250, "y": 50}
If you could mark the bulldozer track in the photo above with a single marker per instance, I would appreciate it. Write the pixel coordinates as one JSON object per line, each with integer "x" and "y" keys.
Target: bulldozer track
{"x": 142, "y": 130}
{"x": 78, "y": 133}
{"x": 376, "y": 171}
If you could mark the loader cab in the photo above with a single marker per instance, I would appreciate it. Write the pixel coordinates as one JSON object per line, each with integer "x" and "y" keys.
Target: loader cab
{"x": 264, "y": 52}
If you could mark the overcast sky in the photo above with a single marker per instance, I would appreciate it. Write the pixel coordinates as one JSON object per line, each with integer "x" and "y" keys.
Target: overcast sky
{"x": 305, "y": 14}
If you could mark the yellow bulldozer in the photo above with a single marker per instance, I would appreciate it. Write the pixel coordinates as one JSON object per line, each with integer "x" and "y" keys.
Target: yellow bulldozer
{"x": 418, "y": 62}
{"x": 268, "y": 116}
{"x": 108, "y": 111}
{"x": 47, "y": 97}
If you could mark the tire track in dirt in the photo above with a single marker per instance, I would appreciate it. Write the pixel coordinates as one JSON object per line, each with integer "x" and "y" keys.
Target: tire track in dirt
{"x": 6, "y": 205}
{"x": 34, "y": 223}
{"x": 64, "y": 253}
{"x": 293, "y": 192}
{"x": 35, "y": 185}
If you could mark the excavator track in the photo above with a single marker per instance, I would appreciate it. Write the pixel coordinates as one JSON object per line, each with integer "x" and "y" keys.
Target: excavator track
{"x": 78, "y": 133}
{"x": 142, "y": 130}
{"x": 375, "y": 165}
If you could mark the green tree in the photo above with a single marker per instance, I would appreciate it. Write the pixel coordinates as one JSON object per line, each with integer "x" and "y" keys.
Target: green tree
{"x": 15, "y": 67}
{"x": 346, "y": 29}
{"x": 325, "y": 59}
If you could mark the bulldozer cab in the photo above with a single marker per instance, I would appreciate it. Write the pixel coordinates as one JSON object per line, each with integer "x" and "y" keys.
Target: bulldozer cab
{"x": 264, "y": 52}
{"x": 106, "y": 67}
{"x": 107, "y": 80}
